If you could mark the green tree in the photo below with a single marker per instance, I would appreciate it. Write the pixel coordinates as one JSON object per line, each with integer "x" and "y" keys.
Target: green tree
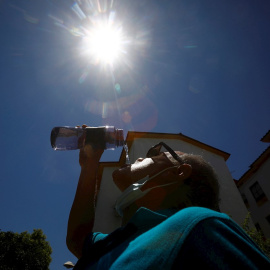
{"x": 24, "y": 251}
{"x": 257, "y": 236}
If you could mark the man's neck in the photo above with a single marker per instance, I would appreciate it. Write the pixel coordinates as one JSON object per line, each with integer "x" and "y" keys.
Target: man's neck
{"x": 128, "y": 213}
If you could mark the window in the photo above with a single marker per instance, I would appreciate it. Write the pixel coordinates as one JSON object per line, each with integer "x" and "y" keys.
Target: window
{"x": 245, "y": 200}
{"x": 258, "y": 227}
{"x": 258, "y": 193}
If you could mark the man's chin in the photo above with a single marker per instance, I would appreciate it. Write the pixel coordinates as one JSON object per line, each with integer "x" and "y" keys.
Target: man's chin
{"x": 120, "y": 170}
{"x": 121, "y": 178}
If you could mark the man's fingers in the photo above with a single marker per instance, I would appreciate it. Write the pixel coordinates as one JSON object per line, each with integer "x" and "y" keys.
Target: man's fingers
{"x": 83, "y": 126}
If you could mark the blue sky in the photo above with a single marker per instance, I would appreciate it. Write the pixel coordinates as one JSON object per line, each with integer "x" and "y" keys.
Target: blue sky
{"x": 196, "y": 67}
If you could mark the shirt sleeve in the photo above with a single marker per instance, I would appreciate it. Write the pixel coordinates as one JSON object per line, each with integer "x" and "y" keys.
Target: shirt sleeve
{"x": 220, "y": 244}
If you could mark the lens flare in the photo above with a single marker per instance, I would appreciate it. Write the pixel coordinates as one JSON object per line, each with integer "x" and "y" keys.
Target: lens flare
{"x": 111, "y": 43}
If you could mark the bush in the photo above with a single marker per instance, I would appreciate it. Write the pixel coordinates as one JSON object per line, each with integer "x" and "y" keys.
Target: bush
{"x": 257, "y": 236}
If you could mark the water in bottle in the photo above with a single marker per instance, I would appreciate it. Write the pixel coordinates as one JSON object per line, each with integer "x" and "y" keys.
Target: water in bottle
{"x": 71, "y": 138}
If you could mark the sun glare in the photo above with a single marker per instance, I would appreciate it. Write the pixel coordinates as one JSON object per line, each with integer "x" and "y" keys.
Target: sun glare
{"x": 104, "y": 43}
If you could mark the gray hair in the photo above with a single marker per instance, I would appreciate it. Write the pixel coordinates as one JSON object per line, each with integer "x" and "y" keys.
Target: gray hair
{"x": 203, "y": 182}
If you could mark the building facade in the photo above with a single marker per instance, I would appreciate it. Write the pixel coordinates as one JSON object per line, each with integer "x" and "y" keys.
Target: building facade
{"x": 254, "y": 187}
{"x": 138, "y": 143}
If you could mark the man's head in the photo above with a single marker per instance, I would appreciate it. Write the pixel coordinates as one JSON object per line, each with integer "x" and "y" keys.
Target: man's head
{"x": 188, "y": 180}
{"x": 203, "y": 181}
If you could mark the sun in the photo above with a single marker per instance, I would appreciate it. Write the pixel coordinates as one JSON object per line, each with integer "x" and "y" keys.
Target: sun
{"x": 104, "y": 43}
{"x": 107, "y": 43}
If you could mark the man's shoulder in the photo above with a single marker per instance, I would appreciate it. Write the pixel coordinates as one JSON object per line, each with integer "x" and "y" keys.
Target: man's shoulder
{"x": 186, "y": 219}
{"x": 196, "y": 214}
{"x": 182, "y": 222}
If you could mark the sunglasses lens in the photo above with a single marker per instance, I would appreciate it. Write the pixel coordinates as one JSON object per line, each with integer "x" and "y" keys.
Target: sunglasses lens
{"x": 153, "y": 151}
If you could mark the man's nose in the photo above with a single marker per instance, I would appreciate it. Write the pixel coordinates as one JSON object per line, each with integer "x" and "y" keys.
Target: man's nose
{"x": 139, "y": 160}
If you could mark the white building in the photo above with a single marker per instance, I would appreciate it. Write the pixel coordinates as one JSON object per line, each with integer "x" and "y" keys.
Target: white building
{"x": 138, "y": 144}
{"x": 254, "y": 187}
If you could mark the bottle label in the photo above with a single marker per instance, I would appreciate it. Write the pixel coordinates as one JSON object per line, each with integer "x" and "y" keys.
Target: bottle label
{"x": 96, "y": 137}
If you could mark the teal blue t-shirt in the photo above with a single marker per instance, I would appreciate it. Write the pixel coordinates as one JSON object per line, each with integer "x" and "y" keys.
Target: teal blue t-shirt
{"x": 169, "y": 239}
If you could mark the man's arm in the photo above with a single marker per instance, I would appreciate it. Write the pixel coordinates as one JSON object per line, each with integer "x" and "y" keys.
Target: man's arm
{"x": 82, "y": 213}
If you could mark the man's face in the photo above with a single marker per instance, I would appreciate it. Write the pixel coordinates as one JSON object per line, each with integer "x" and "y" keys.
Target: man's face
{"x": 129, "y": 174}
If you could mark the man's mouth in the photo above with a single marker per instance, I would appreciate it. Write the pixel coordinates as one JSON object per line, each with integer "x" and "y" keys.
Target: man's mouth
{"x": 119, "y": 169}
{"x": 124, "y": 166}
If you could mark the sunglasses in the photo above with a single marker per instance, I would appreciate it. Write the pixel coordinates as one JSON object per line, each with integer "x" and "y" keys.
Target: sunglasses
{"x": 155, "y": 151}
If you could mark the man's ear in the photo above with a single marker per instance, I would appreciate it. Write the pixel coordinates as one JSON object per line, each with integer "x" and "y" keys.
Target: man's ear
{"x": 184, "y": 171}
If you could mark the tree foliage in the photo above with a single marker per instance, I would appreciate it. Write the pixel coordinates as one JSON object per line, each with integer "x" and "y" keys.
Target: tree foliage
{"x": 24, "y": 250}
{"x": 257, "y": 236}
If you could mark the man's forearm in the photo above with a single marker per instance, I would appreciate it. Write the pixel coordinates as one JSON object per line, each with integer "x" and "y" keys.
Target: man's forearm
{"x": 82, "y": 213}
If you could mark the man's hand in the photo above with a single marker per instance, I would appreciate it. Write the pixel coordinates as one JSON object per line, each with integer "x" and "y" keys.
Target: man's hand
{"x": 89, "y": 156}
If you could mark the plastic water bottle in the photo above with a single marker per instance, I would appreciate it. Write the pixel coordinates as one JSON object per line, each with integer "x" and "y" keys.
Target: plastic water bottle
{"x": 71, "y": 138}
